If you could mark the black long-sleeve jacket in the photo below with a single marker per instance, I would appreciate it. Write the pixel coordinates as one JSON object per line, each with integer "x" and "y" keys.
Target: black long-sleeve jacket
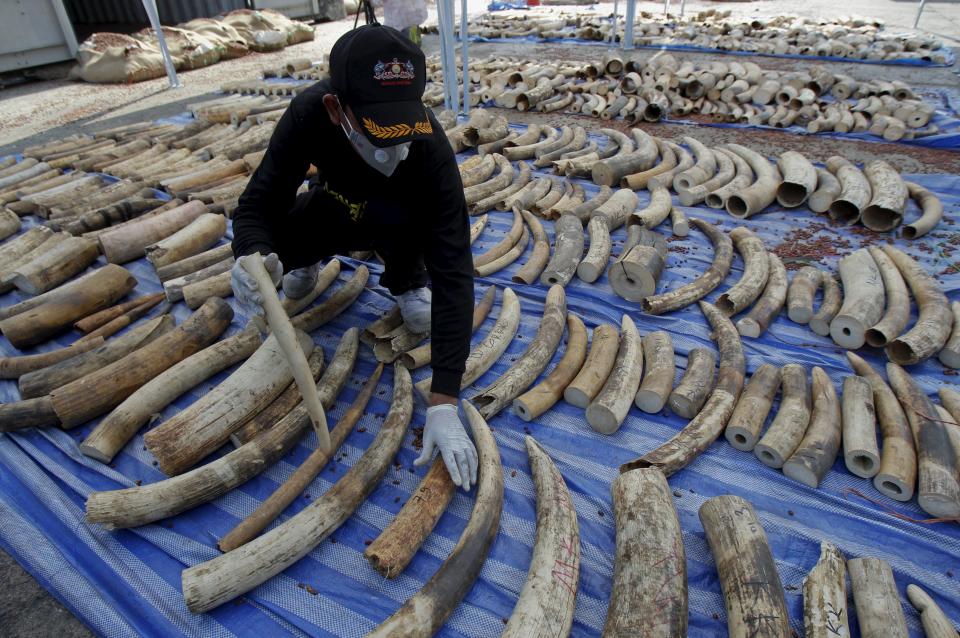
{"x": 426, "y": 184}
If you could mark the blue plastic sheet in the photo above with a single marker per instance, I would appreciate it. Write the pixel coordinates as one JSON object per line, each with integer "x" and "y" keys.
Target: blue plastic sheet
{"x": 676, "y": 46}
{"x": 128, "y": 582}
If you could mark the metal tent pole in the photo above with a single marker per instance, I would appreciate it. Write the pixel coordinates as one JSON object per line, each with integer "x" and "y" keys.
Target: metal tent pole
{"x": 450, "y": 15}
{"x": 151, "y": 7}
{"x": 666, "y": 7}
{"x": 683, "y": 5}
{"x": 445, "y": 63}
{"x": 613, "y": 24}
{"x": 627, "y": 42}
{"x": 923, "y": 3}
{"x": 465, "y": 59}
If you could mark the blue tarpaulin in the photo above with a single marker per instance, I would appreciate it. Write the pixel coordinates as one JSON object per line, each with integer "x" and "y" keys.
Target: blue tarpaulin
{"x": 128, "y": 582}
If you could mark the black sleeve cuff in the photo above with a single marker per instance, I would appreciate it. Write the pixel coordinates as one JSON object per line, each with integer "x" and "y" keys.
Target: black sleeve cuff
{"x": 258, "y": 247}
{"x": 446, "y": 382}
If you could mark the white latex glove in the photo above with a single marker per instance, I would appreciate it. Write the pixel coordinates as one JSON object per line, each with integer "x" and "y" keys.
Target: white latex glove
{"x": 445, "y": 431}
{"x": 244, "y": 286}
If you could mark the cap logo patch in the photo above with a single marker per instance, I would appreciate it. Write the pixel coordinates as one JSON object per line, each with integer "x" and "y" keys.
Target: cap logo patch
{"x": 393, "y": 71}
{"x": 396, "y": 130}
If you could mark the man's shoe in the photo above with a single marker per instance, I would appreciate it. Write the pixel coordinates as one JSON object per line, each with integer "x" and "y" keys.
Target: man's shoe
{"x": 415, "y": 309}
{"x": 298, "y": 283}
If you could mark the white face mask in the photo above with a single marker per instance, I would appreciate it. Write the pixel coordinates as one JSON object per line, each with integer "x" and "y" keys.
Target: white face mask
{"x": 384, "y": 160}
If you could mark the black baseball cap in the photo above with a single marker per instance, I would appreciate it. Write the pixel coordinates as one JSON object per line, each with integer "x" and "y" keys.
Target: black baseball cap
{"x": 381, "y": 75}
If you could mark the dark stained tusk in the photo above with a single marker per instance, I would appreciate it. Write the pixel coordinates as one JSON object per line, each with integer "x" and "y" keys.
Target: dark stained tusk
{"x": 545, "y": 394}
{"x": 210, "y": 584}
{"x": 546, "y": 603}
{"x": 790, "y": 423}
{"x": 603, "y": 353}
{"x": 528, "y": 366}
{"x": 743, "y": 429}
{"x": 752, "y": 591}
{"x": 817, "y": 451}
{"x": 702, "y": 285}
{"x": 649, "y": 596}
{"x": 825, "y": 596}
{"x": 898, "y": 460}
{"x": 704, "y": 428}
{"x": 877, "y": 601}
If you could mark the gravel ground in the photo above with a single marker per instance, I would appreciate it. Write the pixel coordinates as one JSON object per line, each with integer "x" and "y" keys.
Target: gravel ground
{"x": 56, "y": 107}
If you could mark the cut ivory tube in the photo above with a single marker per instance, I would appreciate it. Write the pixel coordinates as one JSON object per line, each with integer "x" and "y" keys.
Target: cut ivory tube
{"x": 745, "y": 424}
{"x": 748, "y": 575}
{"x": 860, "y": 452}
{"x": 897, "y": 314}
{"x": 799, "y": 179}
{"x": 889, "y": 197}
{"x": 287, "y": 339}
{"x": 790, "y": 423}
{"x": 695, "y": 384}
{"x": 608, "y": 409}
{"x": 829, "y": 306}
{"x": 863, "y": 302}
{"x": 818, "y": 449}
{"x": 768, "y": 306}
{"x": 603, "y": 353}
{"x": 661, "y": 369}
{"x": 754, "y": 198}
{"x": 875, "y": 596}
{"x": 854, "y": 191}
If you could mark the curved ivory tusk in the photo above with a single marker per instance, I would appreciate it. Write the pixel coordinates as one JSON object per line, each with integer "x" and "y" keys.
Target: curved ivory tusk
{"x": 931, "y": 208}
{"x": 657, "y": 383}
{"x": 584, "y": 210}
{"x": 216, "y": 581}
{"x": 665, "y": 179}
{"x": 328, "y": 387}
{"x": 825, "y": 596}
{"x": 770, "y": 302}
{"x": 752, "y": 408}
{"x": 854, "y": 191}
{"x": 490, "y": 202}
{"x": 818, "y": 450}
{"x": 54, "y": 266}
{"x": 603, "y": 353}
{"x": 140, "y": 505}
{"x": 934, "y": 322}
{"x": 502, "y": 247}
{"x": 546, "y": 602}
{"x": 679, "y": 224}
{"x": 500, "y": 262}
{"x": 827, "y": 191}
{"x": 618, "y": 208}
{"x": 790, "y": 423}
{"x": 420, "y": 356}
{"x": 885, "y": 210}
{"x": 542, "y": 396}
{"x": 829, "y": 306}
{"x": 194, "y": 238}
{"x": 503, "y": 178}
{"x": 897, "y": 314}
{"x": 267, "y": 511}
{"x": 695, "y": 384}
{"x": 649, "y": 596}
{"x": 173, "y": 288}
{"x": 696, "y": 194}
{"x": 476, "y": 228}
{"x": 22, "y": 244}
{"x": 125, "y": 243}
{"x": 752, "y": 590}
{"x": 799, "y": 179}
{"x": 477, "y": 170}
{"x": 573, "y": 197}
{"x": 530, "y": 271}
{"x": 423, "y": 614}
{"x": 526, "y": 196}
{"x": 113, "y": 432}
{"x": 800, "y": 295}
{"x": 950, "y": 354}
{"x": 701, "y": 171}
{"x": 951, "y": 401}
{"x": 743, "y": 177}
{"x": 557, "y": 189}
{"x": 609, "y": 408}
{"x": 756, "y": 270}
{"x": 515, "y": 151}
{"x": 394, "y": 548}
{"x": 709, "y": 422}
{"x": 37, "y": 319}
{"x": 668, "y": 161}
{"x": 898, "y": 462}
{"x": 105, "y": 388}
{"x": 936, "y": 624}
{"x": 41, "y": 382}
{"x": 332, "y": 306}
{"x": 938, "y": 486}
{"x": 194, "y": 263}
{"x": 14, "y": 367}
{"x": 575, "y": 142}
{"x": 610, "y": 171}
{"x": 568, "y": 248}
{"x": 876, "y": 599}
{"x": 528, "y": 366}
{"x": 754, "y": 198}
{"x": 187, "y": 437}
{"x": 864, "y": 302}
{"x": 656, "y": 211}
{"x": 598, "y": 253}
{"x": 702, "y": 285}
{"x": 486, "y": 353}
{"x": 860, "y": 452}
{"x": 325, "y": 277}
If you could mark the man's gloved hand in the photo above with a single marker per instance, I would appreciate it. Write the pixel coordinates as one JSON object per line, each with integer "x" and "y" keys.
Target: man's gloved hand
{"x": 244, "y": 286}
{"x": 445, "y": 431}
{"x": 300, "y": 281}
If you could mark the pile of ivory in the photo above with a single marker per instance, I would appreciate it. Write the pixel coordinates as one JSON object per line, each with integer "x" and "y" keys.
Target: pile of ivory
{"x": 299, "y": 69}
{"x": 641, "y": 87}
{"x": 855, "y": 39}
{"x": 873, "y": 306}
